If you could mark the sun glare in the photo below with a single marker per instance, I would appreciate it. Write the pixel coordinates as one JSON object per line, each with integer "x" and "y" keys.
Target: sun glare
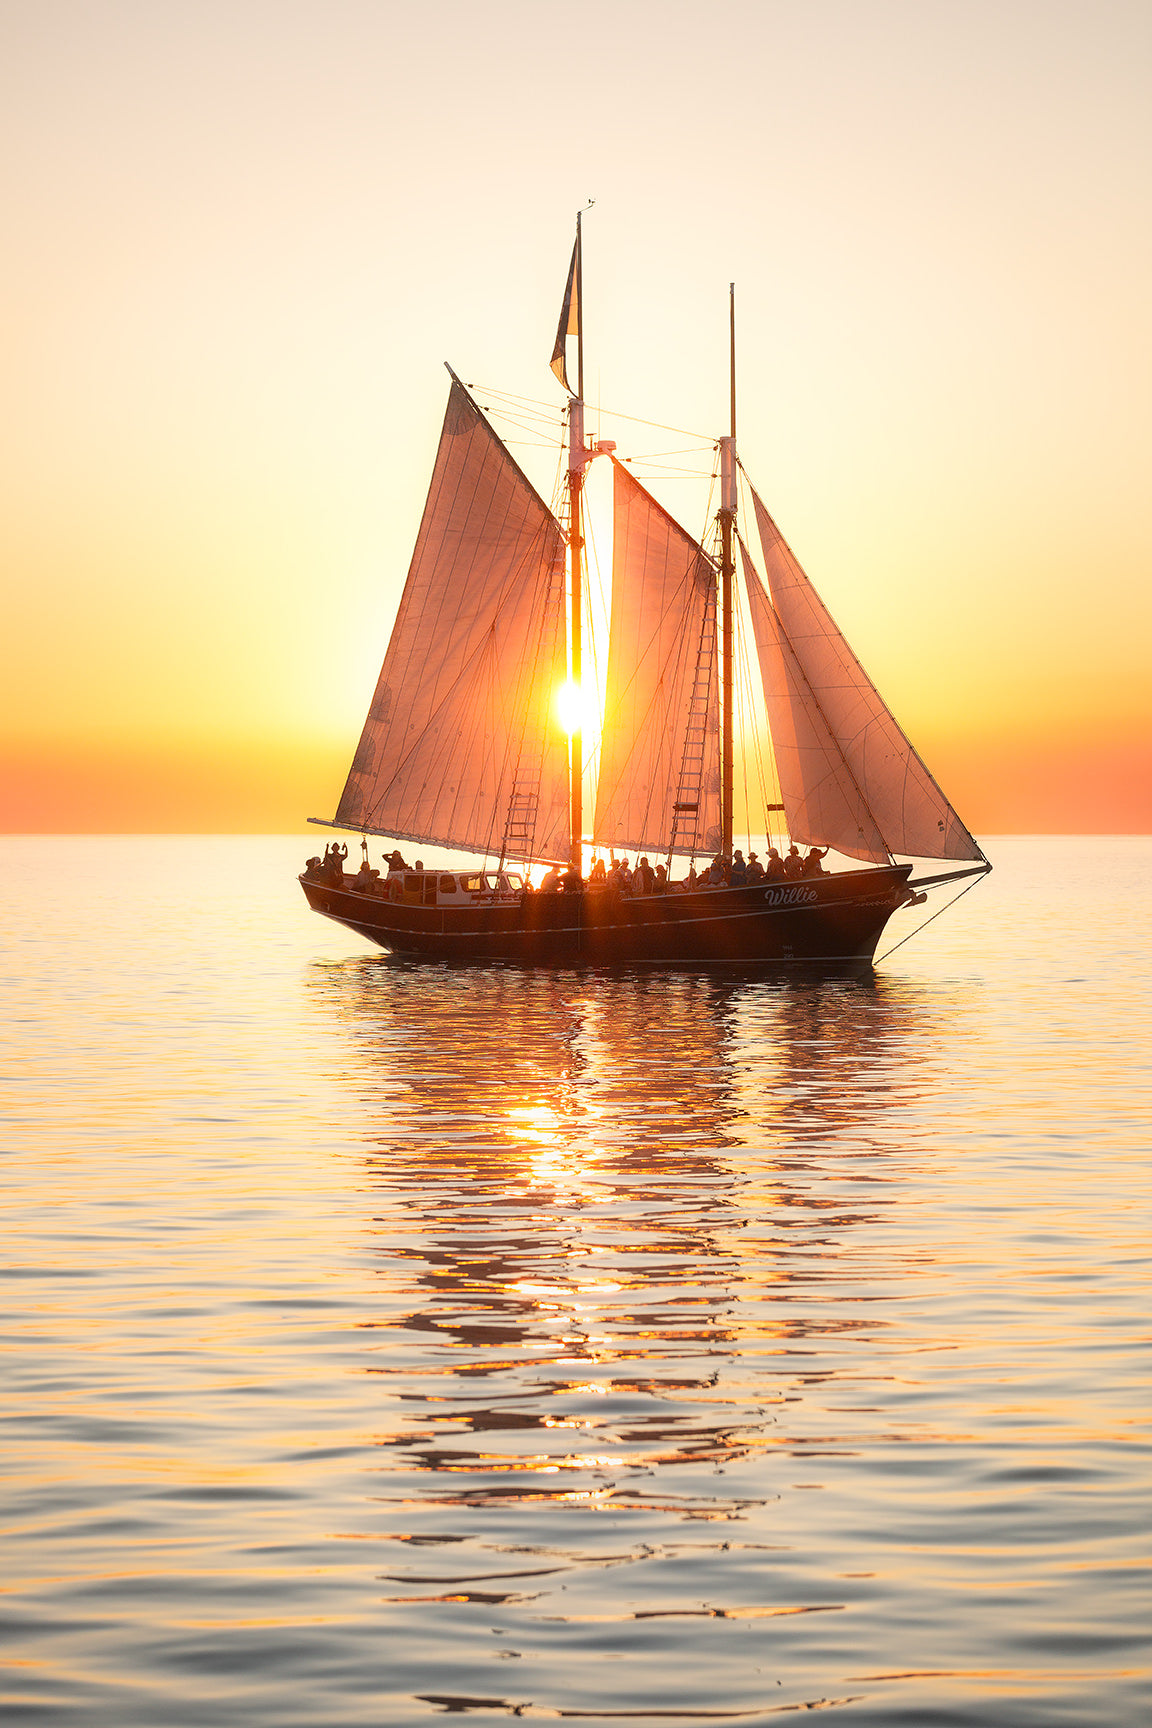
{"x": 571, "y": 707}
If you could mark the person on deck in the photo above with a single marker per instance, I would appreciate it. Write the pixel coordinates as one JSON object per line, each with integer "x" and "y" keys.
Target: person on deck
{"x": 597, "y": 876}
{"x": 755, "y": 868}
{"x": 643, "y": 878}
{"x": 774, "y": 870}
{"x": 551, "y": 882}
{"x": 812, "y": 865}
{"x": 738, "y": 874}
{"x": 716, "y": 873}
{"x": 793, "y": 864}
{"x": 660, "y": 880}
{"x": 625, "y": 876}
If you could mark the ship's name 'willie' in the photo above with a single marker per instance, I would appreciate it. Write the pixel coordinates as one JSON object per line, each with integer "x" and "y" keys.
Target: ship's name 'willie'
{"x": 789, "y": 896}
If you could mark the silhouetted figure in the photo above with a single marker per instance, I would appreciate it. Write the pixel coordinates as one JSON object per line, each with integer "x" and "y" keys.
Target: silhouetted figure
{"x": 793, "y": 864}
{"x": 812, "y": 865}
{"x": 755, "y": 872}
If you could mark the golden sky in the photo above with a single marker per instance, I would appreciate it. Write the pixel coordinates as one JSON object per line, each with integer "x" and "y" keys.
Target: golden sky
{"x": 241, "y": 239}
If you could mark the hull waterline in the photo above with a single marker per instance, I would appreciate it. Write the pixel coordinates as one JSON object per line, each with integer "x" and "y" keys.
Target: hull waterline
{"x": 825, "y": 918}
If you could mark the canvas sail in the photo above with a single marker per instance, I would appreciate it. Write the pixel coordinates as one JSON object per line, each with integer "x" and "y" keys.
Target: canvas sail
{"x": 910, "y": 812}
{"x": 822, "y": 802}
{"x": 660, "y": 701}
{"x": 463, "y": 714}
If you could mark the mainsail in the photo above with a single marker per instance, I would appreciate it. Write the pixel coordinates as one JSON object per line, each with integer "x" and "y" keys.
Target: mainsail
{"x": 661, "y": 710}
{"x": 462, "y": 720}
{"x": 908, "y": 812}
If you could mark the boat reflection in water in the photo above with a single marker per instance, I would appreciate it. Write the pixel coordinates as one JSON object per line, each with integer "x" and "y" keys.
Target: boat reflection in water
{"x": 627, "y": 1234}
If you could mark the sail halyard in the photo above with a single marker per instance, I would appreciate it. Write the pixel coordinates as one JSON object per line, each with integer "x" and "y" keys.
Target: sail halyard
{"x": 476, "y": 656}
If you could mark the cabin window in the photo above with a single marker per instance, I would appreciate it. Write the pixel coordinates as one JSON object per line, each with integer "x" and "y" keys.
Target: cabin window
{"x": 412, "y": 884}
{"x": 471, "y": 884}
{"x": 429, "y": 890}
{"x": 515, "y": 882}
{"x": 447, "y": 884}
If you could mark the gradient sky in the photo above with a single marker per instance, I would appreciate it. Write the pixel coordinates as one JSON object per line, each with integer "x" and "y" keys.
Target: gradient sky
{"x": 241, "y": 239}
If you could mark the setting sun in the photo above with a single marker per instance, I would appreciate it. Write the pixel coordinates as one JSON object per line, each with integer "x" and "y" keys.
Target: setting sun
{"x": 573, "y": 708}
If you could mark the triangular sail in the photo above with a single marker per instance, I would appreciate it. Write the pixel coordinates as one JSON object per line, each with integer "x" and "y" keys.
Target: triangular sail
{"x": 462, "y": 719}
{"x": 822, "y": 803}
{"x": 654, "y": 745}
{"x": 911, "y": 813}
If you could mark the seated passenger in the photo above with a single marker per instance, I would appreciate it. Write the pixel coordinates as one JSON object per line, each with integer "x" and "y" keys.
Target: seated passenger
{"x": 775, "y": 871}
{"x": 551, "y": 882}
{"x": 312, "y": 869}
{"x": 660, "y": 880}
{"x": 625, "y": 876}
{"x": 716, "y": 873}
{"x": 572, "y": 882}
{"x": 755, "y": 868}
{"x": 643, "y": 878}
{"x": 793, "y": 864}
{"x": 597, "y": 876}
{"x": 812, "y": 865}
{"x": 738, "y": 874}
{"x": 396, "y": 860}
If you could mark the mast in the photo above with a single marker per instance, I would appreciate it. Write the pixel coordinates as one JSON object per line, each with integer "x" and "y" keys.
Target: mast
{"x": 727, "y": 567}
{"x": 576, "y": 461}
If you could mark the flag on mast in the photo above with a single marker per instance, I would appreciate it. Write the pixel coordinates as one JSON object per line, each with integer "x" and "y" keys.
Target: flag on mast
{"x": 569, "y": 319}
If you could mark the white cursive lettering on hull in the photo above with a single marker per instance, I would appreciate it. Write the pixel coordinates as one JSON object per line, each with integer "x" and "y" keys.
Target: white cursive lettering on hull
{"x": 789, "y": 896}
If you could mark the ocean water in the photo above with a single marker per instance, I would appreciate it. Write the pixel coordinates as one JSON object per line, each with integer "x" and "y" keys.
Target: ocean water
{"x": 382, "y": 1342}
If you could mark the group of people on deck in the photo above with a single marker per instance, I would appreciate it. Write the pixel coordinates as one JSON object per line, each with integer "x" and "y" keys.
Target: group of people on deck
{"x": 615, "y": 877}
{"x": 735, "y": 872}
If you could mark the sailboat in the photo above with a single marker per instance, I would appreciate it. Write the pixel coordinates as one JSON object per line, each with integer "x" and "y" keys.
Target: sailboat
{"x": 462, "y": 748}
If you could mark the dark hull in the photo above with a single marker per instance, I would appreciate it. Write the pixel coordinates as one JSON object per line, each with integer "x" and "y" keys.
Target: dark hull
{"x": 824, "y": 918}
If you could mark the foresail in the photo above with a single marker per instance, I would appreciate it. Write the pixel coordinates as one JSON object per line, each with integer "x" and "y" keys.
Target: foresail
{"x": 463, "y": 718}
{"x": 908, "y": 808}
{"x": 822, "y": 803}
{"x": 660, "y": 741}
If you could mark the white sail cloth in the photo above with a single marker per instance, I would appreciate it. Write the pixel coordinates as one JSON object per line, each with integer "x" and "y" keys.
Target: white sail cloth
{"x": 463, "y": 714}
{"x": 881, "y": 798}
{"x": 822, "y": 802}
{"x": 661, "y": 708}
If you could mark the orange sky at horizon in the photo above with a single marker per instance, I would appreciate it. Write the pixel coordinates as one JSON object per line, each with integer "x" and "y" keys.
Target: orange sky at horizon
{"x": 242, "y": 244}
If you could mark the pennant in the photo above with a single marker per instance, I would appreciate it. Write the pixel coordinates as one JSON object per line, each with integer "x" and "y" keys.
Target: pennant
{"x": 569, "y": 321}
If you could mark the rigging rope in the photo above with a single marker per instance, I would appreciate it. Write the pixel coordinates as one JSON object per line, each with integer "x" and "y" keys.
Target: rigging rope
{"x": 922, "y": 927}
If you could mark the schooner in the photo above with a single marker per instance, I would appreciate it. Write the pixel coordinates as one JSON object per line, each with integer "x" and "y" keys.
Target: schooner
{"x": 462, "y": 748}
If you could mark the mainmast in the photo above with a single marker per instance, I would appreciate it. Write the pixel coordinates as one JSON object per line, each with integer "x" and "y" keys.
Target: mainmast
{"x": 577, "y": 458}
{"x": 727, "y": 569}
